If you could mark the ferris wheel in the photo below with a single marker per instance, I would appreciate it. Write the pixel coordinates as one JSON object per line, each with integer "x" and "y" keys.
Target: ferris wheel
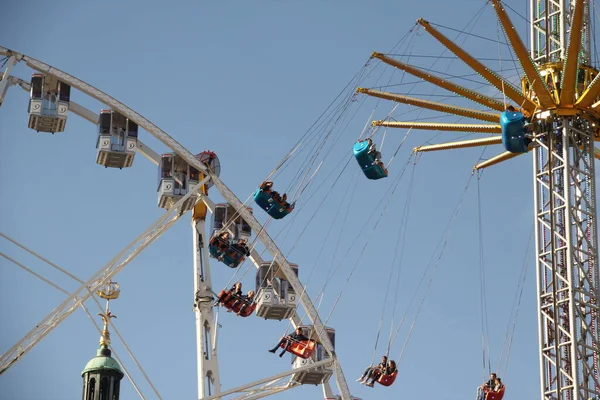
{"x": 184, "y": 180}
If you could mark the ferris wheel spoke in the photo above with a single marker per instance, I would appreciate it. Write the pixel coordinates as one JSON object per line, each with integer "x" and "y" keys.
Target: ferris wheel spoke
{"x": 241, "y": 389}
{"x": 5, "y": 82}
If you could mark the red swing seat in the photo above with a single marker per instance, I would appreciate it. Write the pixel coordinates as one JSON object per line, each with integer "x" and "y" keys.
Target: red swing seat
{"x": 489, "y": 395}
{"x": 387, "y": 380}
{"x": 247, "y": 311}
{"x": 225, "y": 295}
{"x": 302, "y": 349}
{"x": 229, "y": 299}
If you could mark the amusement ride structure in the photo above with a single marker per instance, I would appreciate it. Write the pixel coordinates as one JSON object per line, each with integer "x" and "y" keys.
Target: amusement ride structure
{"x": 183, "y": 186}
{"x": 554, "y": 115}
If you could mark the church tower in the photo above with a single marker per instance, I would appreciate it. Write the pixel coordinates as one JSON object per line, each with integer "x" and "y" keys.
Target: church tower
{"x": 102, "y": 375}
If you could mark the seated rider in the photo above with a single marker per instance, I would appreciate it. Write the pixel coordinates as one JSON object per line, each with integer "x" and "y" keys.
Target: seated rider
{"x": 247, "y": 299}
{"x": 242, "y": 247}
{"x": 267, "y": 187}
{"x": 487, "y": 386}
{"x": 221, "y": 240}
{"x": 371, "y": 370}
{"x": 389, "y": 369}
{"x": 497, "y": 385}
{"x": 373, "y": 150}
{"x": 284, "y": 204}
{"x": 297, "y": 336}
{"x": 236, "y": 290}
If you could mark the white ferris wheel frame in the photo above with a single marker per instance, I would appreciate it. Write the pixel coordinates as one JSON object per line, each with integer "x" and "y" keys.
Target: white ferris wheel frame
{"x": 203, "y": 311}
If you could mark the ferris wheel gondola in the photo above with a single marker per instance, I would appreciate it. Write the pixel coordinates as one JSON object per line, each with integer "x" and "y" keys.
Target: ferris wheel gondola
{"x": 48, "y": 103}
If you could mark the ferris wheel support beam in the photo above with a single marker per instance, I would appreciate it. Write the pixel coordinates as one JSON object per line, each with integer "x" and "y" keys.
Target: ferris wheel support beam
{"x": 206, "y": 327}
{"x": 243, "y": 388}
{"x": 5, "y": 82}
{"x": 99, "y": 279}
{"x": 567, "y": 263}
{"x": 227, "y": 194}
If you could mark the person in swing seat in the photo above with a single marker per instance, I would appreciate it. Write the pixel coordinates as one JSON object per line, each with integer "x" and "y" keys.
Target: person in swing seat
{"x": 236, "y": 290}
{"x": 267, "y": 187}
{"x": 487, "y": 386}
{"x": 371, "y": 370}
{"x": 247, "y": 299}
{"x": 373, "y": 150}
{"x": 242, "y": 247}
{"x": 389, "y": 369}
{"x": 297, "y": 336}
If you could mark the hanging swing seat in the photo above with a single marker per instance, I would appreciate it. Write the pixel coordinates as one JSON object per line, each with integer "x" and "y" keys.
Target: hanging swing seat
{"x": 247, "y": 311}
{"x": 489, "y": 395}
{"x": 366, "y": 161}
{"x": 231, "y": 256}
{"x": 302, "y": 349}
{"x": 513, "y": 133}
{"x": 229, "y": 301}
{"x": 214, "y": 247}
{"x": 387, "y": 380}
{"x": 267, "y": 202}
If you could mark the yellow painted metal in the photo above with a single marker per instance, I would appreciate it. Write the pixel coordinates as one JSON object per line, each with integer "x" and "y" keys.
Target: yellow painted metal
{"x": 439, "y": 126}
{"x": 507, "y": 155}
{"x": 200, "y": 209}
{"x": 567, "y": 95}
{"x": 459, "y": 145}
{"x": 529, "y": 68}
{"x": 590, "y": 95}
{"x": 489, "y": 75}
{"x": 438, "y": 81}
{"x": 431, "y": 105}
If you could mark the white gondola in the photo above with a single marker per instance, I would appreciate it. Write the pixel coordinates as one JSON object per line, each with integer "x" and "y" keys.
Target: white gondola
{"x": 275, "y": 298}
{"x": 318, "y": 375}
{"x": 226, "y": 217}
{"x": 175, "y": 178}
{"x": 117, "y": 140}
{"x": 48, "y": 104}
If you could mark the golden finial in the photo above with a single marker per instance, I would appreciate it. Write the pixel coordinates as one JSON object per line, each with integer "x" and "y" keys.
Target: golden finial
{"x": 109, "y": 292}
{"x": 105, "y": 338}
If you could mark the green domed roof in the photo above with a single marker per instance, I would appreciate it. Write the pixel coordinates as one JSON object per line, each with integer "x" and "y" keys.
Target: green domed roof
{"x": 102, "y": 362}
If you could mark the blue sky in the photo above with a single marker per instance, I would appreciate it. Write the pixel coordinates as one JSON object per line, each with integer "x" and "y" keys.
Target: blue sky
{"x": 247, "y": 80}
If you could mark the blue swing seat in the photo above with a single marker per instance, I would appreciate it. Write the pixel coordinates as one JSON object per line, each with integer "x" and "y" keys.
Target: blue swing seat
{"x": 365, "y": 160}
{"x": 267, "y": 203}
{"x": 233, "y": 261}
{"x": 231, "y": 257}
{"x": 513, "y": 133}
{"x": 215, "y": 251}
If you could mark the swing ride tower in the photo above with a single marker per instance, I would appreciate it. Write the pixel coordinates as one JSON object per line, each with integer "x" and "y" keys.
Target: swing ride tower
{"x": 559, "y": 97}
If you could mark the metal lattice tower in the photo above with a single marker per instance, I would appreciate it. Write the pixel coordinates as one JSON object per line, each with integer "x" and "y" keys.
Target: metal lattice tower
{"x": 566, "y": 225}
{"x": 560, "y": 100}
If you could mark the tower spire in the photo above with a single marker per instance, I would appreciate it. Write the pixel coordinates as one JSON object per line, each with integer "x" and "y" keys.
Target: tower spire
{"x": 102, "y": 375}
{"x": 109, "y": 292}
